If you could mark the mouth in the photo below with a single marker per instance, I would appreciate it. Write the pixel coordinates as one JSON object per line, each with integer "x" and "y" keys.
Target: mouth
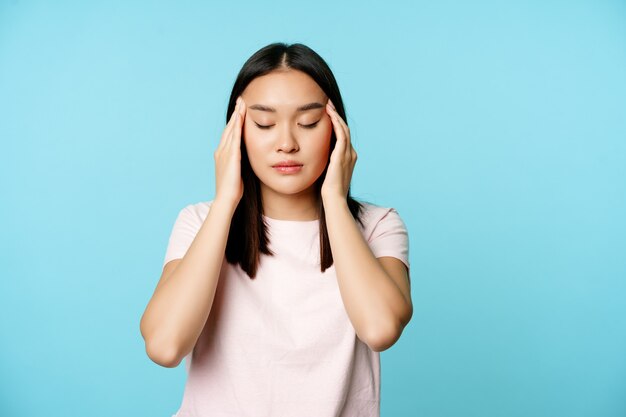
{"x": 288, "y": 167}
{"x": 287, "y": 163}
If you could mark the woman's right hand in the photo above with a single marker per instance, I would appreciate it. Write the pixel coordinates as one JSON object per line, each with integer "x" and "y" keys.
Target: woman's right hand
{"x": 228, "y": 182}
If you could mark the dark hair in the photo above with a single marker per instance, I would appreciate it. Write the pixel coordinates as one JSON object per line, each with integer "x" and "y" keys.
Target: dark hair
{"x": 248, "y": 237}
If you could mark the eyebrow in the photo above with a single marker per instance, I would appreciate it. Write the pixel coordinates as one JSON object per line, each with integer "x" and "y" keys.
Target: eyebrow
{"x": 310, "y": 106}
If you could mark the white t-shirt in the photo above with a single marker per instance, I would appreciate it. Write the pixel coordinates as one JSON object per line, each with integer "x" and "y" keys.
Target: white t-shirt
{"x": 282, "y": 344}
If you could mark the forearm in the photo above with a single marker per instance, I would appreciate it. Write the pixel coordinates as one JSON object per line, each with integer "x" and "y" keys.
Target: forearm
{"x": 178, "y": 310}
{"x": 373, "y": 301}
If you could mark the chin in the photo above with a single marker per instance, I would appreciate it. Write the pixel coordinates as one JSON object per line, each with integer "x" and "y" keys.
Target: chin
{"x": 288, "y": 189}
{"x": 288, "y": 185}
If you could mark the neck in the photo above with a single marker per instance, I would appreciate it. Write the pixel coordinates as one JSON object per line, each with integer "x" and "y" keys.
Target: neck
{"x": 299, "y": 207}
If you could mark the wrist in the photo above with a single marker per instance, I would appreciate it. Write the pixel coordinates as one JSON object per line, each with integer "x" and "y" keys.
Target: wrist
{"x": 334, "y": 201}
{"x": 225, "y": 204}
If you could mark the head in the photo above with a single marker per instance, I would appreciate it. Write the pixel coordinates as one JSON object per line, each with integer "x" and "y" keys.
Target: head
{"x": 274, "y": 82}
{"x": 286, "y": 120}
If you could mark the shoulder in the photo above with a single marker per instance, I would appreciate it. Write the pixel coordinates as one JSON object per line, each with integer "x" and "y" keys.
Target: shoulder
{"x": 385, "y": 232}
{"x": 186, "y": 226}
{"x": 372, "y": 210}
{"x": 375, "y": 216}
{"x": 195, "y": 212}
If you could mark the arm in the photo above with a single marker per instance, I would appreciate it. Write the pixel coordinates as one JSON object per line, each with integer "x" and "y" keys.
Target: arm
{"x": 180, "y": 305}
{"x": 375, "y": 292}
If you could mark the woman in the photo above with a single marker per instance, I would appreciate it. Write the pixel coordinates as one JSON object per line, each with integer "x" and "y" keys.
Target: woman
{"x": 281, "y": 291}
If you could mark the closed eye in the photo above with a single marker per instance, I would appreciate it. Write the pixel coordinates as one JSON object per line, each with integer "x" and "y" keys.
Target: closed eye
{"x": 311, "y": 126}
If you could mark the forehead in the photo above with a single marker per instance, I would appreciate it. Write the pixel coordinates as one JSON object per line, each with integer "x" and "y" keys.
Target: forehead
{"x": 283, "y": 90}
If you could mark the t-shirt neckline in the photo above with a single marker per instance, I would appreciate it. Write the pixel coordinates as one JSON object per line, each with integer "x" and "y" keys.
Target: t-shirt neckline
{"x": 291, "y": 224}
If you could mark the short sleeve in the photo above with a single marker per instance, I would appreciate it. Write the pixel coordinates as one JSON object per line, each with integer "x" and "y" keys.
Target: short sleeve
{"x": 389, "y": 237}
{"x": 183, "y": 233}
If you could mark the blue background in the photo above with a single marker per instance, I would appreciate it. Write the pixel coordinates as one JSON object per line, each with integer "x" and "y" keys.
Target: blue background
{"x": 496, "y": 129}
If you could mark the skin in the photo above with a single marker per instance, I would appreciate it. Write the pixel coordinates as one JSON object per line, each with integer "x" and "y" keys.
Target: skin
{"x": 375, "y": 291}
{"x": 287, "y": 196}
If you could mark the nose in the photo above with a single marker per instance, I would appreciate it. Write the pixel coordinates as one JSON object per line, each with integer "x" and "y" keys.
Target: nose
{"x": 287, "y": 141}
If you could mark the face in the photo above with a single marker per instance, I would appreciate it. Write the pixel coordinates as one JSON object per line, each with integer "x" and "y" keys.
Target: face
{"x": 286, "y": 123}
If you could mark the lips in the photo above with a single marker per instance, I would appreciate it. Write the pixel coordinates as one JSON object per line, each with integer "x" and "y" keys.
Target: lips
{"x": 288, "y": 163}
{"x": 288, "y": 167}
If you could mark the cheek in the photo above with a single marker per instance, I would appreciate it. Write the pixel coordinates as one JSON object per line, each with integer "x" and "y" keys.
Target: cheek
{"x": 327, "y": 133}
{"x": 322, "y": 144}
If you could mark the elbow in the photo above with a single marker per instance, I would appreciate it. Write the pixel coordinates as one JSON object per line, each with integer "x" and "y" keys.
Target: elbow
{"x": 163, "y": 354}
{"x": 159, "y": 352}
{"x": 382, "y": 339}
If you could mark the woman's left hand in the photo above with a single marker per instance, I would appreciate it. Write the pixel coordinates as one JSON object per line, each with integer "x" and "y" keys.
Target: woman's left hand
{"x": 342, "y": 159}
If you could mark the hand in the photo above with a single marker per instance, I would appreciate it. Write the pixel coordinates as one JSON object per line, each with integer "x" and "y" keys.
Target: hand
{"x": 342, "y": 159}
{"x": 228, "y": 182}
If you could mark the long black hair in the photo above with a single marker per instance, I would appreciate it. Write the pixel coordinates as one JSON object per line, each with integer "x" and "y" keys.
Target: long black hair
{"x": 248, "y": 237}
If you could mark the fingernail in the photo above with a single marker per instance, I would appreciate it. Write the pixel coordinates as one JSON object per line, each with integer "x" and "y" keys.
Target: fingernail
{"x": 331, "y": 104}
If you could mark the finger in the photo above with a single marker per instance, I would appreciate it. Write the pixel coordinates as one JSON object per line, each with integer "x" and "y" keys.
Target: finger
{"x": 345, "y": 128}
{"x": 232, "y": 131}
{"x": 342, "y": 123}
{"x": 339, "y": 134}
{"x": 226, "y": 131}
{"x": 348, "y": 138}
{"x": 229, "y": 127}
{"x": 235, "y": 136}
{"x": 342, "y": 132}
